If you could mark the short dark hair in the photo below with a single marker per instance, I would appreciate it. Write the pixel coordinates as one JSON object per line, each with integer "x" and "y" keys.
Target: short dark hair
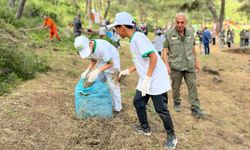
{"x": 127, "y": 26}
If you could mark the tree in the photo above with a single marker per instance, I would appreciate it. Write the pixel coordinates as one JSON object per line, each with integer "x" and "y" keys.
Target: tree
{"x": 218, "y": 20}
{"x": 245, "y": 7}
{"x": 20, "y": 9}
{"x": 12, "y": 3}
{"x": 107, "y": 9}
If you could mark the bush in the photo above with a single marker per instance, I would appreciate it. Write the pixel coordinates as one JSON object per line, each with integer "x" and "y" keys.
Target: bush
{"x": 17, "y": 61}
{"x": 8, "y": 82}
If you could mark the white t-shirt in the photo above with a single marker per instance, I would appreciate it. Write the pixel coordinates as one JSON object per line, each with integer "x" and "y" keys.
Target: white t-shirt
{"x": 140, "y": 47}
{"x": 104, "y": 52}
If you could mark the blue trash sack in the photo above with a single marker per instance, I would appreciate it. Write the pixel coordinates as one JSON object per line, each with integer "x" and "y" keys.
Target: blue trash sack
{"x": 94, "y": 101}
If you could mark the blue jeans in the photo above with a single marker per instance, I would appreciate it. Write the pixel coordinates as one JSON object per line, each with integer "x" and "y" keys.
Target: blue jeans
{"x": 160, "y": 105}
{"x": 207, "y": 48}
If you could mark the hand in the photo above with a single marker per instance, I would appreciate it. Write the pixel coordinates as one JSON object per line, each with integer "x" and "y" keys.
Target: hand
{"x": 124, "y": 73}
{"x": 93, "y": 75}
{"x": 145, "y": 86}
{"x": 85, "y": 73}
{"x": 168, "y": 69}
{"x": 197, "y": 67}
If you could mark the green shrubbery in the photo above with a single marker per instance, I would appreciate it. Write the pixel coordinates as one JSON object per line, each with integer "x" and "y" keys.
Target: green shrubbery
{"x": 17, "y": 61}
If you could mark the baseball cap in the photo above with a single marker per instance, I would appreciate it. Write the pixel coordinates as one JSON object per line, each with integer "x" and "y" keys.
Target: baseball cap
{"x": 82, "y": 45}
{"x": 122, "y": 18}
{"x": 158, "y": 31}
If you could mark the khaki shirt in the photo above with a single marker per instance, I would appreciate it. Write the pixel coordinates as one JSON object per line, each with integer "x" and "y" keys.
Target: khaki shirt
{"x": 181, "y": 55}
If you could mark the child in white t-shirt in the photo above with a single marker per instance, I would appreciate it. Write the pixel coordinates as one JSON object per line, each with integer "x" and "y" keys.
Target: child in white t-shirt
{"x": 105, "y": 57}
{"x": 154, "y": 80}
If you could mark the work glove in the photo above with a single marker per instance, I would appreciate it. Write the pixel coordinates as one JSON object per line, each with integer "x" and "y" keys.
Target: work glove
{"x": 124, "y": 73}
{"x": 93, "y": 75}
{"x": 85, "y": 73}
{"x": 145, "y": 86}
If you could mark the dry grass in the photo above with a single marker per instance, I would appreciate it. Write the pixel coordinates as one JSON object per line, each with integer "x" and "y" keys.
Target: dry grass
{"x": 40, "y": 113}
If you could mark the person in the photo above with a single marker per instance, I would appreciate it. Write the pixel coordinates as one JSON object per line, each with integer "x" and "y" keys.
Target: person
{"x": 102, "y": 31}
{"x": 154, "y": 81}
{"x": 247, "y": 35}
{"x": 105, "y": 57}
{"x": 49, "y": 23}
{"x": 222, "y": 38}
{"x": 214, "y": 37}
{"x": 158, "y": 41}
{"x": 77, "y": 25}
{"x": 206, "y": 39}
{"x": 199, "y": 33}
{"x": 182, "y": 60}
{"x": 242, "y": 38}
{"x": 229, "y": 38}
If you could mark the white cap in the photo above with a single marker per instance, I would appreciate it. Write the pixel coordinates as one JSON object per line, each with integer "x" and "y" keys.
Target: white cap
{"x": 82, "y": 45}
{"x": 158, "y": 31}
{"x": 122, "y": 18}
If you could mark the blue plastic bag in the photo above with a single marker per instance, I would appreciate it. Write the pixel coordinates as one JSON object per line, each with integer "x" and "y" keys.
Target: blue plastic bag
{"x": 94, "y": 101}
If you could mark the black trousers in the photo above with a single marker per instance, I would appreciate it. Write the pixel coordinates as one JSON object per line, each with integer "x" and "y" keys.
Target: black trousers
{"x": 160, "y": 105}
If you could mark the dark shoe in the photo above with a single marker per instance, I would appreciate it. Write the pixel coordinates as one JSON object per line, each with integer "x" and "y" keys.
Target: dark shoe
{"x": 171, "y": 142}
{"x": 115, "y": 113}
{"x": 197, "y": 112}
{"x": 141, "y": 130}
{"x": 177, "y": 108}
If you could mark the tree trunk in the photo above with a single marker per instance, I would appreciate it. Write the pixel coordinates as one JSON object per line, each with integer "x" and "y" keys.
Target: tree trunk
{"x": 107, "y": 9}
{"x": 217, "y": 20}
{"x": 222, "y": 13}
{"x": 89, "y": 8}
{"x": 12, "y": 3}
{"x": 20, "y": 9}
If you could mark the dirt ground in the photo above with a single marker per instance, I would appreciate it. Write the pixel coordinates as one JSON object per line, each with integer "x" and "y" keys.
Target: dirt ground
{"x": 39, "y": 114}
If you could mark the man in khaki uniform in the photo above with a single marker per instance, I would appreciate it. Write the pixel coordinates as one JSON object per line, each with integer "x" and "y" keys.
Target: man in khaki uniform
{"x": 179, "y": 54}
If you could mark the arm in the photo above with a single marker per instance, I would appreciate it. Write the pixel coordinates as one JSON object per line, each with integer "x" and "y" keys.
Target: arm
{"x": 152, "y": 64}
{"x": 131, "y": 69}
{"x": 92, "y": 64}
{"x": 197, "y": 67}
{"x": 164, "y": 56}
{"x": 106, "y": 66}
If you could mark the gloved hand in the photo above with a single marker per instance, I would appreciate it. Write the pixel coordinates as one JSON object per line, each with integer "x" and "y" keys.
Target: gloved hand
{"x": 145, "y": 86}
{"x": 93, "y": 75}
{"x": 85, "y": 73}
{"x": 124, "y": 73}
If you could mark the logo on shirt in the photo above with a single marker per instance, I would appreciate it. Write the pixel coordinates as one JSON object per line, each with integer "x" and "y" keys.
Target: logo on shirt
{"x": 174, "y": 38}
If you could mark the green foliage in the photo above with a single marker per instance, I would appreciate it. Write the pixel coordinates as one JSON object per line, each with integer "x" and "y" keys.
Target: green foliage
{"x": 7, "y": 83}
{"x": 17, "y": 61}
{"x": 96, "y": 36}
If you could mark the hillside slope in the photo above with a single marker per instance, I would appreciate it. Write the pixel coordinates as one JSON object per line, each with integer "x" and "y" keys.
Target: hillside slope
{"x": 40, "y": 113}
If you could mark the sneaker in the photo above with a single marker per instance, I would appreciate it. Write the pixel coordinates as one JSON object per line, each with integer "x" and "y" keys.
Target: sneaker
{"x": 115, "y": 113}
{"x": 171, "y": 142}
{"x": 197, "y": 112}
{"x": 177, "y": 108}
{"x": 141, "y": 130}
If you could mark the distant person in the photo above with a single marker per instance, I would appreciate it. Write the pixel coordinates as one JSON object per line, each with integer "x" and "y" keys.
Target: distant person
{"x": 102, "y": 31}
{"x": 49, "y": 23}
{"x": 153, "y": 81}
{"x": 199, "y": 33}
{"x": 159, "y": 41}
{"x": 233, "y": 35}
{"x": 214, "y": 37}
{"x": 206, "y": 40}
{"x": 222, "y": 38}
{"x": 182, "y": 59}
{"x": 229, "y": 38}
{"x": 242, "y": 38}
{"x": 77, "y": 25}
{"x": 247, "y": 35}
{"x": 104, "y": 62}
